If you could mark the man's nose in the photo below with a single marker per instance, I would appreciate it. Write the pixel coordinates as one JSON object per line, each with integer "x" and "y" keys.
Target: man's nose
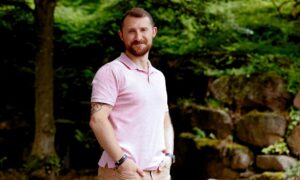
{"x": 138, "y": 36}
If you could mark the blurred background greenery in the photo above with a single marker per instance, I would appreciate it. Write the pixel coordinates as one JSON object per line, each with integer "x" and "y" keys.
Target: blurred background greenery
{"x": 196, "y": 40}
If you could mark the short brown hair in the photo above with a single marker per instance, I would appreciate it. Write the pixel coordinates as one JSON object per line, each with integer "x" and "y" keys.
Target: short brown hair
{"x": 136, "y": 12}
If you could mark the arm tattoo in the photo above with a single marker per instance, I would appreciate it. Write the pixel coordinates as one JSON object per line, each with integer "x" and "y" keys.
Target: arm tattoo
{"x": 95, "y": 107}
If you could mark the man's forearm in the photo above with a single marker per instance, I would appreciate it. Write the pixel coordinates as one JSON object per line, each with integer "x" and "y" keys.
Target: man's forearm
{"x": 105, "y": 135}
{"x": 169, "y": 134}
{"x": 103, "y": 130}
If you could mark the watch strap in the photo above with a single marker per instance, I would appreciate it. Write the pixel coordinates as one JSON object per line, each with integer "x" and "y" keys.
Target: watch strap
{"x": 172, "y": 156}
{"x": 121, "y": 160}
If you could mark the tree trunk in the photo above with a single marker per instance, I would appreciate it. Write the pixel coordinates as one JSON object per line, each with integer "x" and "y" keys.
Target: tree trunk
{"x": 45, "y": 130}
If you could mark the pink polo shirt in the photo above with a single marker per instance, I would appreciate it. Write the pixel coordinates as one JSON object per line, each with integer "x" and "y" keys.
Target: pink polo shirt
{"x": 139, "y": 101}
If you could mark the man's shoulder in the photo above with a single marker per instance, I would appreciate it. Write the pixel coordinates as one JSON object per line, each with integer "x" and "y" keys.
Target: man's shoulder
{"x": 114, "y": 68}
{"x": 155, "y": 70}
{"x": 114, "y": 64}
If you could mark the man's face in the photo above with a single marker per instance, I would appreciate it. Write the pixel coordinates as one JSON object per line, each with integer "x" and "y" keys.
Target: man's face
{"x": 137, "y": 35}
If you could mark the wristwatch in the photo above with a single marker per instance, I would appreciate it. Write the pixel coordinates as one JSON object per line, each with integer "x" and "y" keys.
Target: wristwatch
{"x": 120, "y": 161}
{"x": 172, "y": 156}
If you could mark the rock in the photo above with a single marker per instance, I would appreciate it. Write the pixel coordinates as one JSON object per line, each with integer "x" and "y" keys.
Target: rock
{"x": 259, "y": 92}
{"x": 293, "y": 141}
{"x": 212, "y": 120}
{"x": 241, "y": 161}
{"x": 274, "y": 162}
{"x": 237, "y": 157}
{"x": 217, "y": 170}
{"x": 297, "y": 100}
{"x": 261, "y": 129}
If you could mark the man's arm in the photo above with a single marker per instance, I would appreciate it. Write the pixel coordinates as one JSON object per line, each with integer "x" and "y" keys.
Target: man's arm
{"x": 103, "y": 130}
{"x": 169, "y": 134}
{"x": 169, "y": 140}
{"x": 106, "y": 137}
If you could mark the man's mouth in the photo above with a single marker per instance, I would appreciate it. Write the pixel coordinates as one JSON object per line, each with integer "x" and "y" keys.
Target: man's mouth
{"x": 138, "y": 42}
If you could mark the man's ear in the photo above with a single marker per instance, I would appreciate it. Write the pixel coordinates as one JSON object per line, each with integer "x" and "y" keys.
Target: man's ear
{"x": 154, "y": 31}
{"x": 120, "y": 35}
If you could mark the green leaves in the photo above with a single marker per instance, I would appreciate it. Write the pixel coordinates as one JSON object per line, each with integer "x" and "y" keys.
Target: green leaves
{"x": 294, "y": 116}
{"x": 280, "y": 147}
{"x": 85, "y": 138}
{"x": 293, "y": 172}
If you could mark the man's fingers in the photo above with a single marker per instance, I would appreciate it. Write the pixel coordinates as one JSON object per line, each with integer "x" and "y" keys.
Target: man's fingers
{"x": 161, "y": 165}
{"x": 140, "y": 172}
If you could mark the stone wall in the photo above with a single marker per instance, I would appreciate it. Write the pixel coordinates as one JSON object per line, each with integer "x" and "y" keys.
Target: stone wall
{"x": 252, "y": 114}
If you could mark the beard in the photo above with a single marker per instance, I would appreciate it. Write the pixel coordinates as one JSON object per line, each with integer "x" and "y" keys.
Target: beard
{"x": 139, "y": 48}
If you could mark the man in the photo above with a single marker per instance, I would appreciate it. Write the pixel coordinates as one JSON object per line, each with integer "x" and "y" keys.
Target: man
{"x": 129, "y": 111}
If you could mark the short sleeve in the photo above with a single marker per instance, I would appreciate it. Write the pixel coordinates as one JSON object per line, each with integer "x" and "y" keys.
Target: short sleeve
{"x": 104, "y": 86}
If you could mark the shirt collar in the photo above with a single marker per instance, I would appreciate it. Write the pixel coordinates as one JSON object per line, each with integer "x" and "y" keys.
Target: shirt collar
{"x": 128, "y": 62}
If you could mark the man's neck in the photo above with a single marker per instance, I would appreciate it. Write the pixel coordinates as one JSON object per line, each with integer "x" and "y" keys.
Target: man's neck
{"x": 140, "y": 61}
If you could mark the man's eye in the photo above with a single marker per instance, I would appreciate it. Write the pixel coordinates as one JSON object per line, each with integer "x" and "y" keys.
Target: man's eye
{"x": 144, "y": 29}
{"x": 131, "y": 31}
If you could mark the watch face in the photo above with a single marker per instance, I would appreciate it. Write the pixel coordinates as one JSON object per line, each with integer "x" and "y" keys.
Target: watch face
{"x": 120, "y": 161}
{"x": 172, "y": 156}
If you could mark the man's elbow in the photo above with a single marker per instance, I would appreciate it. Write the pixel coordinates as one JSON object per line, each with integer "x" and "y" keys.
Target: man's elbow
{"x": 93, "y": 122}
{"x": 96, "y": 121}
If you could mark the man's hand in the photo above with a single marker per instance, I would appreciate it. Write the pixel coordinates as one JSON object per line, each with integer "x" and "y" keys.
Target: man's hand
{"x": 130, "y": 166}
{"x": 166, "y": 163}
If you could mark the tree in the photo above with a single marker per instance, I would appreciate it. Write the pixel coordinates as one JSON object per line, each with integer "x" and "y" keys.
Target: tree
{"x": 43, "y": 147}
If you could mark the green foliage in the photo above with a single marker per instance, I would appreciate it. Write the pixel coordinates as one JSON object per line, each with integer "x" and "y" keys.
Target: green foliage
{"x": 292, "y": 77}
{"x": 219, "y": 37}
{"x": 81, "y": 22}
{"x": 292, "y": 172}
{"x": 201, "y": 140}
{"x": 86, "y": 138}
{"x": 21, "y": 13}
{"x": 285, "y": 66}
{"x": 213, "y": 103}
{"x": 294, "y": 120}
{"x": 255, "y": 30}
{"x": 172, "y": 41}
{"x": 185, "y": 103}
{"x": 279, "y": 147}
{"x": 269, "y": 175}
{"x": 51, "y": 164}
{"x": 199, "y": 133}
{"x": 200, "y": 137}
{"x": 2, "y": 161}
{"x": 78, "y": 77}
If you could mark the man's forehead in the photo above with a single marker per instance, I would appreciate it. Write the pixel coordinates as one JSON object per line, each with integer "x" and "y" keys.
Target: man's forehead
{"x": 137, "y": 20}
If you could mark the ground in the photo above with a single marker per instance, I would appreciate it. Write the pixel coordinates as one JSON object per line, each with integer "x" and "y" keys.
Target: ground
{"x": 14, "y": 174}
